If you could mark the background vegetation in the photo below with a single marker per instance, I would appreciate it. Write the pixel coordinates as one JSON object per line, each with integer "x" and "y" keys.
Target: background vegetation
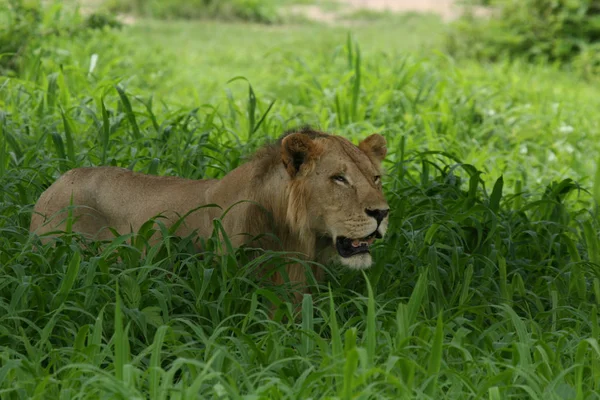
{"x": 264, "y": 11}
{"x": 487, "y": 285}
{"x": 539, "y": 30}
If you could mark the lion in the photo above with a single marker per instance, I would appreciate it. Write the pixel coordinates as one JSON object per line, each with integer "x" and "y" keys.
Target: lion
{"x": 318, "y": 194}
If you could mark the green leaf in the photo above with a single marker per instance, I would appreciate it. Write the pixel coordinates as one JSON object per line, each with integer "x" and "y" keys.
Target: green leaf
{"x": 68, "y": 280}
{"x": 105, "y": 132}
{"x": 155, "y": 361}
{"x": 371, "y": 331}
{"x": 120, "y": 340}
{"x": 307, "y": 343}
{"x": 496, "y": 195}
{"x": 68, "y": 137}
{"x": 129, "y": 112}
{"x": 435, "y": 357}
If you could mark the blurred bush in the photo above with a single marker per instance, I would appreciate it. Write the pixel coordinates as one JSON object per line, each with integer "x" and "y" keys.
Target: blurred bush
{"x": 19, "y": 25}
{"x": 27, "y": 25}
{"x": 547, "y": 30}
{"x": 263, "y": 11}
{"x": 101, "y": 20}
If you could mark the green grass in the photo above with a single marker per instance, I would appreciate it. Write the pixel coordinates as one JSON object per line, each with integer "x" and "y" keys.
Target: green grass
{"x": 487, "y": 285}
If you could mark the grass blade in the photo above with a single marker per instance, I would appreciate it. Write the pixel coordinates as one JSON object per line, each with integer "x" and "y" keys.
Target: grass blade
{"x": 69, "y": 279}
{"x": 251, "y": 110}
{"x": 336, "y": 337}
{"x": 596, "y": 183}
{"x": 155, "y": 361}
{"x": 52, "y": 90}
{"x": 95, "y": 343}
{"x": 349, "y": 43}
{"x": 120, "y": 340}
{"x": 356, "y": 85}
{"x": 105, "y": 132}
{"x": 68, "y": 137}
{"x": 4, "y": 157}
{"x": 129, "y": 112}
{"x": 59, "y": 146}
{"x": 416, "y": 298}
{"x": 503, "y": 279}
{"x": 308, "y": 326}
{"x": 466, "y": 285}
{"x": 153, "y": 167}
{"x": 496, "y": 195}
{"x": 371, "y": 331}
{"x": 592, "y": 242}
{"x": 260, "y": 121}
{"x": 350, "y": 366}
{"x": 435, "y": 357}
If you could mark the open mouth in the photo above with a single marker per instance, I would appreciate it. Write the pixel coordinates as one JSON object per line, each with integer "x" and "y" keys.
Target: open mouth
{"x": 348, "y": 247}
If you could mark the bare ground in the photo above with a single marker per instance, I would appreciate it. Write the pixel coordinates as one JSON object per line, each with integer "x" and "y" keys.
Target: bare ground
{"x": 447, "y": 9}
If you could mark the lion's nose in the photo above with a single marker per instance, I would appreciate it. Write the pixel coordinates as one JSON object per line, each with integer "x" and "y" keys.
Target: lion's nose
{"x": 379, "y": 215}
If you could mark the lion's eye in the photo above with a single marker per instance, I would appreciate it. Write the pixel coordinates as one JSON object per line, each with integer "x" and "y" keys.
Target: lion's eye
{"x": 377, "y": 179}
{"x": 339, "y": 178}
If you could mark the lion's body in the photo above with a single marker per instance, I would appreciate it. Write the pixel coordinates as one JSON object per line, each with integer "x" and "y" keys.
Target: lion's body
{"x": 114, "y": 197}
{"x": 271, "y": 194}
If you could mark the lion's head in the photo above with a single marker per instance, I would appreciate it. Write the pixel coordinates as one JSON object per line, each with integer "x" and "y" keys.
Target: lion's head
{"x": 335, "y": 192}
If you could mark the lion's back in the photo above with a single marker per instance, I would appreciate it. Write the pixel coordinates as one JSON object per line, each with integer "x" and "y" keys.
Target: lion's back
{"x": 111, "y": 196}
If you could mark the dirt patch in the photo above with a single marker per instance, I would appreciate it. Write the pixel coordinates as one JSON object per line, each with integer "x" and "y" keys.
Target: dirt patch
{"x": 442, "y": 7}
{"x": 447, "y": 9}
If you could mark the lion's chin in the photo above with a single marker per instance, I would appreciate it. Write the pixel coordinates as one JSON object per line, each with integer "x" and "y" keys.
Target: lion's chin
{"x": 357, "y": 262}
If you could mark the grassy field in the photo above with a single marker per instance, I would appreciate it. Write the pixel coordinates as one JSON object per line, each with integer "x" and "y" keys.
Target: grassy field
{"x": 487, "y": 285}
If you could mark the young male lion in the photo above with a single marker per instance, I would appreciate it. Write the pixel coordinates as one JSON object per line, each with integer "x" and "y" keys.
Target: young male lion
{"x": 319, "y": 194}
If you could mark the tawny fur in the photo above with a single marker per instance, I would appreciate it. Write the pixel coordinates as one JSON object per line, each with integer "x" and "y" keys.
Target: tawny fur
{"x": 286, "y": 191}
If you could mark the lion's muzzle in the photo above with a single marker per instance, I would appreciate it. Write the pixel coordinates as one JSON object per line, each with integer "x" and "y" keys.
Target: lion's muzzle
{"x": 348, "y": 247}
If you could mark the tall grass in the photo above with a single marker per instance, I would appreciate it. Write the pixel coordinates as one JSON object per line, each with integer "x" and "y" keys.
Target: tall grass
{"x": 262, "y": 11}
{"x": 487, "y": 285}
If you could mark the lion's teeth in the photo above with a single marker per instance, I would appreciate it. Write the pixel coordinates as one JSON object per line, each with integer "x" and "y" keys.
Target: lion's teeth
{"x": 359, "y": 243}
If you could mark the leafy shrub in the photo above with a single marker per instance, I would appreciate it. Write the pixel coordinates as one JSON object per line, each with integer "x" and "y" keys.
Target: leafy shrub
{"x": 263, "y": 11}
{"x": 99, "y": 20}
{"x": 19, "y": 23}
{"x": 551, "y": 30}
{"x": 29, "y": 25}
{"x": 588, "y": 60}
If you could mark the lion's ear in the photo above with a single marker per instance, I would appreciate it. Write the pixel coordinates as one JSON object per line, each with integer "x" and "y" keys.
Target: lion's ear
{"x": 374, "y": 146}
{"x": 297, "y": 150}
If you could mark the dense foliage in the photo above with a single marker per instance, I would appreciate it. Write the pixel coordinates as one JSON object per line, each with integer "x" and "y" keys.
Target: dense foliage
{"x": 487, "y": 285}
{"x": 27, "y": 26}
{"x": 547, "y": 30}
{"x": 264, "y": 11}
